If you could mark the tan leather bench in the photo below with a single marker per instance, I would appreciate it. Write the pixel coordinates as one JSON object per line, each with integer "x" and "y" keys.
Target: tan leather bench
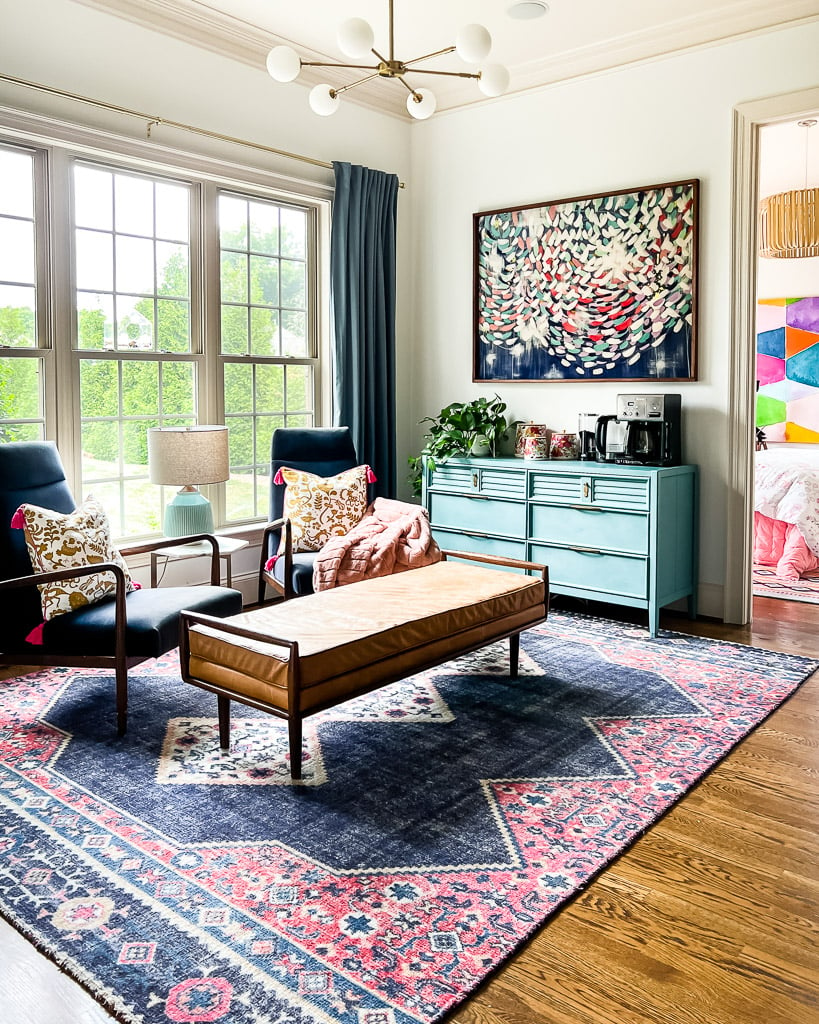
{"x": 298, "y": 657}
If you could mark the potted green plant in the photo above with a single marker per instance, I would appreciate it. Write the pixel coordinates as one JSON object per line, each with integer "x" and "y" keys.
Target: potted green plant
{"x": 459, "y": 429}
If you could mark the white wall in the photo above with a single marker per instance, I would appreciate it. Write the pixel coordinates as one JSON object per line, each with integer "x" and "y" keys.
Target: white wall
{"x": 665, "y": 120}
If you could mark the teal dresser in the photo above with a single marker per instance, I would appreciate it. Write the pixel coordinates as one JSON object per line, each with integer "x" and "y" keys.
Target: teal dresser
{"x": 623, "y": 534}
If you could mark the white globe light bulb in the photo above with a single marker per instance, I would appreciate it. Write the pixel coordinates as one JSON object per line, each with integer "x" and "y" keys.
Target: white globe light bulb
{"x": 283, "y": 63}
{"x": 424, "y": 107}
{"x": 355, "y": 37}
{"x": 473, "y": 44}
{"x": 494, "y": 80}
{"x": 323, "y": 100}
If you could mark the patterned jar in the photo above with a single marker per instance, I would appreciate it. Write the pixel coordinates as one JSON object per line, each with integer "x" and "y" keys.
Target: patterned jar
{"x": 564, "y": 446}
{"x": 524, "y": 431}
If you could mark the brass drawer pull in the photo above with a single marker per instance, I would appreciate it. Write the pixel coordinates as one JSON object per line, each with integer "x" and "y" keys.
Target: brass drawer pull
{"x": 585, "y": 550}
{"x": 586, "y": 490}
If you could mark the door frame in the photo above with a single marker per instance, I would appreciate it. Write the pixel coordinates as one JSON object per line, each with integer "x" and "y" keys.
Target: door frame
{"x": 748, "y": 118}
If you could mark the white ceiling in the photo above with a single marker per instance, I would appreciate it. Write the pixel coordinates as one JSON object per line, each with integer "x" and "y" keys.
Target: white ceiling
{"x": 575, "y": 36}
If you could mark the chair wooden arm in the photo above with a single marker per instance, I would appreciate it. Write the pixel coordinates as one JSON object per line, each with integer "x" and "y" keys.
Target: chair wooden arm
{"x": 171, "y": 542}
{"x": 265, "y": 577}
{"x": 120, "y": 615}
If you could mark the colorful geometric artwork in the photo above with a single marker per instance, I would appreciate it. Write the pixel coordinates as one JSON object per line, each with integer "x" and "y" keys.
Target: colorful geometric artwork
{"x": 787, "y": 368}
{"x": 598, "y": 287}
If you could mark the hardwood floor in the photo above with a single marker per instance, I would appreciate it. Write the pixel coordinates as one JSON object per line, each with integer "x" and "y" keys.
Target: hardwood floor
{"x": 710, "y": 918}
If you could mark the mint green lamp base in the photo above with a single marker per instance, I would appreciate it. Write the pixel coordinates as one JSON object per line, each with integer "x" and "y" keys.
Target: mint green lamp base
{"x": 190, "y": 512}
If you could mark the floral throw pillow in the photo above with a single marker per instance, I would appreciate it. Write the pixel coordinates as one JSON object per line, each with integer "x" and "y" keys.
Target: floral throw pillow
{"x": 62, "y": 541}
{"x": 321, "y": 507}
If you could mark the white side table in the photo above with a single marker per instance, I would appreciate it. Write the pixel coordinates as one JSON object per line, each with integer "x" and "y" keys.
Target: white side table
{"x": 227, "y": 546}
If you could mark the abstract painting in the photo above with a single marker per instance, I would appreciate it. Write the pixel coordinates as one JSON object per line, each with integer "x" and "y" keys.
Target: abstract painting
{"x": 787, "y": 368}
{"x": 598, "y": 287}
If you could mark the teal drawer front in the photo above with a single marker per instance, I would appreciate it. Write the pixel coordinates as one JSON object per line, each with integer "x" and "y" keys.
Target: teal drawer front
{"x": 480, "y": 477}
{"x": 618, "y": 493}
{"x": 590, "y": 527}
{"x": 485, "y": 515}
{"x": 594, "y": 571}
{"x": 451, "y": 540}
{"x": 501, "y": 483}
{"x": 453, "y": 476}
{"x": 558, "y": 487}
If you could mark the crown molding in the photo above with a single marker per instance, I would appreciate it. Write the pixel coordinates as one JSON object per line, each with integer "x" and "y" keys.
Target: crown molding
{"x": 198, "y": 24}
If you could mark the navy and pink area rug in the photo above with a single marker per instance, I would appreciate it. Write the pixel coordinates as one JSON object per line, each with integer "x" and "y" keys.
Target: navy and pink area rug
{"x": 440, "y": 821}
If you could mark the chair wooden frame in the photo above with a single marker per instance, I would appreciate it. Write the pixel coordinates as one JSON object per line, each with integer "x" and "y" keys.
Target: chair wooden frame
{"x": 120, "y": 661}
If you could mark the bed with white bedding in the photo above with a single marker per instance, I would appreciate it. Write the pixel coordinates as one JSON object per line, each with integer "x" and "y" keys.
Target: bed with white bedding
{"x": 786, "y": 511}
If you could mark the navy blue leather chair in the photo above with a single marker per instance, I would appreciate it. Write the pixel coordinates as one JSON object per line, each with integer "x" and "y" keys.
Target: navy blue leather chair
{"x": 318, "y": 450}
{"x": 118, "y": 632}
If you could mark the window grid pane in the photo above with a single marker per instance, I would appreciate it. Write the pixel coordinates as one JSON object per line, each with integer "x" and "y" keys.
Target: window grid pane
{"x": 132, "y": 248}
{"x": 264, "y": 318}
{"x": 18, "y": 291}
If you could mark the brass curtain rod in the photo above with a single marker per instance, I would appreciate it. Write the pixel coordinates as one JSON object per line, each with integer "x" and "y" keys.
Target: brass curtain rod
{"x": 152, "y": 119}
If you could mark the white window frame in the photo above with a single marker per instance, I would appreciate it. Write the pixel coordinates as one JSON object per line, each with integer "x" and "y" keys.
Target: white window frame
{"x": 56, "y": 145}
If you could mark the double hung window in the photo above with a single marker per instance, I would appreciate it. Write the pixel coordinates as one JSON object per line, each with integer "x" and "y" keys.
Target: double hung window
{"x": 134, "y": 297}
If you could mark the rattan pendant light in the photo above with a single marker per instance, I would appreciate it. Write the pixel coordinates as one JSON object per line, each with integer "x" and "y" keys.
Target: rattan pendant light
{"x": 789, "y": 221}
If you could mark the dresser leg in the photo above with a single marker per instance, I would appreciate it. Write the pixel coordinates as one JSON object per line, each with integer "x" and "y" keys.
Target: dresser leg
{"x": 653, "y": 620}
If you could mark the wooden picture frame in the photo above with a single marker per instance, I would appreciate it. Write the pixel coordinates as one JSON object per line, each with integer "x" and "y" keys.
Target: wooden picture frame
{"x": 599, "y": 287}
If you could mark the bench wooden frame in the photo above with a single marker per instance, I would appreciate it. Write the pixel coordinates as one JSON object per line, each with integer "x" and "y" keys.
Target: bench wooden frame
{"x": 293, "y": 715}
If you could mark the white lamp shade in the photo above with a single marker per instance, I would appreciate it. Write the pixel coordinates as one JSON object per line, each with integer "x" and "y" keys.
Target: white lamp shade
{"x": 473, "y": 44}
{"x": 423, "y": 108}
{"x": 323, "y": 100}
{"x": 283, "y": 64}
{"x": 494, "y": 80}
{"x": 184, "y": 456}
{"x": 355, "y": 38}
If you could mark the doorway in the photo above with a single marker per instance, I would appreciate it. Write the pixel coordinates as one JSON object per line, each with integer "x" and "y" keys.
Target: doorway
{"x": 786, "y": 461}
{"x": 749, "y": 119}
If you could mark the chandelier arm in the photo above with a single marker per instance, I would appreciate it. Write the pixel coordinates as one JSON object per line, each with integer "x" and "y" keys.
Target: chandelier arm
{"x": 429, "y": 56}
{"x": 447, "y": 74}
{"x": 406, "y": 85}
{"x": 333, "y": 64}
{"x": 352, "y": 85}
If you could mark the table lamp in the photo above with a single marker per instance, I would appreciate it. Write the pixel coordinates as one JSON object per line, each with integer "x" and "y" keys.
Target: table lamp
{"x": 188, "y": 456}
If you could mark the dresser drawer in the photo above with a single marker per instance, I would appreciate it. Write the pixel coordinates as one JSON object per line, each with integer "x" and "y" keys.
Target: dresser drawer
{"x": 484, "y": 480}
{"x": 594, "y": 570}
{"x": 590, "y": 489}
{"x": 590, "y": 527}
{"x": 480, "y": 544}
{"x": 484, "y": 515}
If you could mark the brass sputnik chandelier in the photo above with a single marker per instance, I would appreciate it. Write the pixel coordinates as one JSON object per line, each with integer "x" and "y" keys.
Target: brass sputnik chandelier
{"x": 789, "y": 221}
{"x": 356, "y": 39}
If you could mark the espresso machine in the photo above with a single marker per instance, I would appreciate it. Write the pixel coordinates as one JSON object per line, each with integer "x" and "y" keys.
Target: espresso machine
{"x": 586, "y": 429}
{"x": 645, "y": 431}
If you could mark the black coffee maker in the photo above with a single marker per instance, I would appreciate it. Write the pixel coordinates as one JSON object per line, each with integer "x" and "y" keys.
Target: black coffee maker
{"x": 586, "y": 429}
{"x": 646, "y": 431}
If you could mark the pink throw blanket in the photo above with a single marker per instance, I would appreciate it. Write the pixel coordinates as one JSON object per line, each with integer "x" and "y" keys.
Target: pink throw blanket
{"x": 393, "y": 536}
{"x": 782, "y": 545}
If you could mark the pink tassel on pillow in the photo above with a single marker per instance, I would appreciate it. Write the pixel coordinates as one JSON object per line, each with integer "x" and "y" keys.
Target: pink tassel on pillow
{"x": 278, "y": 478}
{"x": 136, "y": 585}
{"x": 371, "y": 477}
{"x": 268, "y": 565}
{"x": 36, "y": 635}
{"x": 18, "y": 520}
